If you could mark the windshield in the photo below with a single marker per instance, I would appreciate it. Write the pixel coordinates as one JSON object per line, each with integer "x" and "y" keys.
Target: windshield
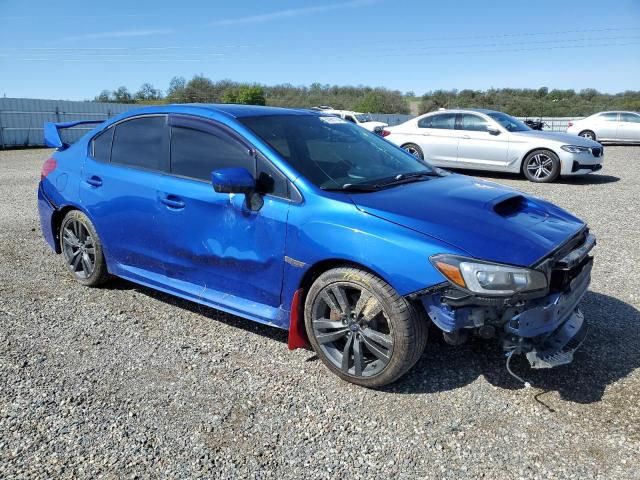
{"x": 363, "y": 117}
{"x": 508, "y": 122}
{"x": 333, "y": 153}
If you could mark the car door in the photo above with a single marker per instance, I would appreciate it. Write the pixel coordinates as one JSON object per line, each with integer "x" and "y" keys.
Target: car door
{"x": 218, "y": 248}
{"x": 629, "y": 127}
{"x": 120, "y": 178}
{"x": 438, "y": 139}
{"x": 606, "y": 126}
{"x": 477, "y": 147}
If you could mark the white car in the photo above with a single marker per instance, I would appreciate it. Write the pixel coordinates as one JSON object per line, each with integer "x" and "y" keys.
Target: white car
{"x": 619, "y": 127}
{"x": 362, "y": 119}
{"x": 489, "y": 140}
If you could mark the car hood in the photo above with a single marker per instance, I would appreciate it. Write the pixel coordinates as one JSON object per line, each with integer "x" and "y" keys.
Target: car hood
{"x": 484, "y": 219}
{"x": 564, "y": 138}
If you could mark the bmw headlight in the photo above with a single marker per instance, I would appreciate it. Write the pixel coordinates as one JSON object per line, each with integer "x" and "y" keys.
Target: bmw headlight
{"x": 575, "y": 149}
{"x": 488, "y": 278}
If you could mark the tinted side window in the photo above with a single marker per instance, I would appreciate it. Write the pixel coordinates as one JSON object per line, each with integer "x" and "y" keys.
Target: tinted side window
{"x": 101, "y": 146}
{"x": 270, "y": 180}
{"x": 196, "y": 154}
{"x": 629, "y": 117}
{"x": 141, "y": 142}
{"x": 609, "y": 117}
{"x": 473, "y": 123}
{"x": 443, "y": 121}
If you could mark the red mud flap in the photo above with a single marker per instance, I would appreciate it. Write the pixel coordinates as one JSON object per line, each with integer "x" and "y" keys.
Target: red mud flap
{"x": 297, "y": 334}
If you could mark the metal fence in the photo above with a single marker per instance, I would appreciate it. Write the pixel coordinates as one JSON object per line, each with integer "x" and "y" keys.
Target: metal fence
{"x": 22, "y": 119}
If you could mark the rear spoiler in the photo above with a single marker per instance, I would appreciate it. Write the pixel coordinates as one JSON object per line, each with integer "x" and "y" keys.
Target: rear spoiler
{"x": 52, "y": 132}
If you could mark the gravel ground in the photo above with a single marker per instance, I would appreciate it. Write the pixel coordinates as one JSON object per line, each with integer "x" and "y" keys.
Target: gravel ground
{"x": 126, "y": 382}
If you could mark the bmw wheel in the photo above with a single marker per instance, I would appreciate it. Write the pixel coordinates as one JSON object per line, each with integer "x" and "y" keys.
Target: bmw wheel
{"x": 361, "y": 329}
{"x": 541, "y": 166}
{"x": 414, "y": 150}
{"x": 588, "y": 134}
{"x": 82, "y": 249}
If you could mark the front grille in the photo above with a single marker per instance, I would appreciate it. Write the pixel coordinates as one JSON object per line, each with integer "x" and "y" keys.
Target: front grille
{"x": 596, "y": 152}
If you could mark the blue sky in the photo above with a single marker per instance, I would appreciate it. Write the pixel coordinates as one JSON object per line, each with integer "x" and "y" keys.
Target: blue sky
{"x": 72, "y": 49}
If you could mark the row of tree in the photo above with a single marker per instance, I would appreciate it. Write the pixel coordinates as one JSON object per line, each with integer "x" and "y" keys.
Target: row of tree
{"x": 519, "y": 102}
{"x": 532, "y": 102}
{"x": 204, "y": 90}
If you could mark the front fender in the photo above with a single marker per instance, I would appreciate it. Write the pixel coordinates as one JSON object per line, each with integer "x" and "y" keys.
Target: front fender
{"x": 396, "y": 254}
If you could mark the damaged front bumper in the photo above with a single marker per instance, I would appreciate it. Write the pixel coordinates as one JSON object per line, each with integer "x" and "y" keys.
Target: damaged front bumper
{"x": 547, "y": 329}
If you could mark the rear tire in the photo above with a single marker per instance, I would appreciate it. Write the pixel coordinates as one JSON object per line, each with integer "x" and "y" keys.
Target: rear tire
{"x": 361, "y": 329}
{"x": 588, "y": 134}
{"x": 82, "y": 249}
{"x": 414, "y": 150}
{"x": 541, "y": 166}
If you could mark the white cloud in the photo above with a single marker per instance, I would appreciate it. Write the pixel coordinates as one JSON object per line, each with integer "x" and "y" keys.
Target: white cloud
{"x": 119, "y": 34}
{"x": 293, "y": 12}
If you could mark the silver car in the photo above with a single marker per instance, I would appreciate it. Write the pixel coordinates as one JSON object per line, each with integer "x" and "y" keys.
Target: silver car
{"x": 489, "y": 140}
{"x": 619, "y": 127}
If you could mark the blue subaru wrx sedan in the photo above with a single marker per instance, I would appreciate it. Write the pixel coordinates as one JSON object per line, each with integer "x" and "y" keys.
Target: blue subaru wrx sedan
{"x": 306, "y": 222}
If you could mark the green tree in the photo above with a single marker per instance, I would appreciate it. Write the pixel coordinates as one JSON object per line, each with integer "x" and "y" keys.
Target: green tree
{"x": 104, "y": 96}
{"x": 383, "y": 101}
{"x": 122, "y": 95}
{"x": 147, "y": 93}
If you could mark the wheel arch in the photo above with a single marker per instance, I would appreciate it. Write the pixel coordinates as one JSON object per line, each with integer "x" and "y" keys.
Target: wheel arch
{"x": 318, "y": 268}
{"x": 56, "y": 222}
{"x": 595, "y": 138}
{"x": 538, "y": 149}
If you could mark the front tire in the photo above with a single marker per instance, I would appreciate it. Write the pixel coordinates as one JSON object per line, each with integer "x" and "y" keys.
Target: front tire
{"x": 82, "y": 249}
{"x": 588, "y": 134}
{"x": 414, "y": 150}
{"x": 361, "y": 329}
{"x": 541, "y": 166}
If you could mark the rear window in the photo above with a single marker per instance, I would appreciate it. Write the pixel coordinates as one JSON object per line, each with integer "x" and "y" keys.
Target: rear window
{"x": 142, "y": 143}
{"x": 101, "y": 146}
{"x": 444, "y": 121}
{"x": 609, "y": 117}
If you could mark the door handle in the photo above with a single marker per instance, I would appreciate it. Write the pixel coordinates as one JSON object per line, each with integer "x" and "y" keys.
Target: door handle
{"x": 466, "y": 137}
{"x": 172, "y": 201}
{"x": 94, "y": 181}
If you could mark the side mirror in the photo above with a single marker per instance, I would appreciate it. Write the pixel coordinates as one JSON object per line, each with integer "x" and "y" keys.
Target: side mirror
{"x": 233, "y": 180}
{"x": 493, "y": 130}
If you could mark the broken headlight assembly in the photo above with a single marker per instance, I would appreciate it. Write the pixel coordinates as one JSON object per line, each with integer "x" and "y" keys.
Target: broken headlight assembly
{"x": 490, "y": 279}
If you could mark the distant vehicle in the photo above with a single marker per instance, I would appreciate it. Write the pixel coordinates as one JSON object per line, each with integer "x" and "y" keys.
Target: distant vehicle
{"x": 304, "y": 221}
{"x": 622, "y": 127}
{"x": 363, "y": 119}
{"x": 535, "y": 124}
{"x": 488, "y": 140}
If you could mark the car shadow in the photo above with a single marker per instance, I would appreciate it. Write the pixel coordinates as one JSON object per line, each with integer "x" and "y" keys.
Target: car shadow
{"x": 609, "y": 353}
{"x": 589, "y": 179}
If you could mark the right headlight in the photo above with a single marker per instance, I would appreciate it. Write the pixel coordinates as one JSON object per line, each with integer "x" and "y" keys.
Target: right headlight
{"x": 488, "y": 278}
{"x": 575, "y": 149}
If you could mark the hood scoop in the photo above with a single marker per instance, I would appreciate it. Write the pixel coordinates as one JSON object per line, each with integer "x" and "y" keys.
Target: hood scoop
{"x": 508, "y": 205}
{"x": 516, "y": 207}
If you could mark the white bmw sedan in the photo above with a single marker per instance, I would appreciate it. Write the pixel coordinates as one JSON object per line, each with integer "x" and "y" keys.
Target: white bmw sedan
{"x": 489, "y": 140}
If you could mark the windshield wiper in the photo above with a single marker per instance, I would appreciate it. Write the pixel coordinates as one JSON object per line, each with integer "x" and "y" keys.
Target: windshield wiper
{"x": 353, "y": 187}
{"x": 408, "y": 178}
